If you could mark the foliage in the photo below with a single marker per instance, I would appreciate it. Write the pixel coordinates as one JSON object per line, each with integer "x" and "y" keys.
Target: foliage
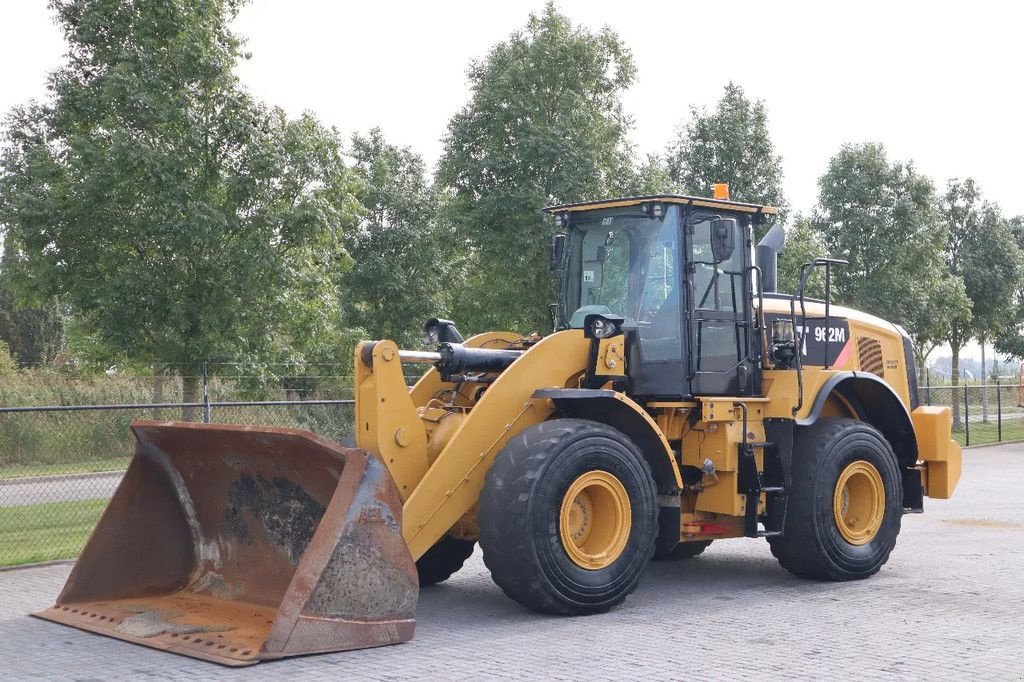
{"x": 881, "y": 217}
{"x": 933, "y": 305}
{"x": 544, "y": 125}
{"x": 7, "y": 364}
{"x": 403, "y": 259}
{"x": 179, "y": 218}
{"x": 982, "y": 249}
{"x": 34, "y": 334}
{"x": 730, "y": 144}
{"x": 1010, "y": 339}
{"x": 802, "y": 246}
{"x": 650, "y": 176}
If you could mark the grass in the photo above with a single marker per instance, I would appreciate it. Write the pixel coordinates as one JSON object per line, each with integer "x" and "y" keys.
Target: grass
{"x": 988, "y": 434}
{"x": 44, "y": 532}
{"x": 87, "y": 467}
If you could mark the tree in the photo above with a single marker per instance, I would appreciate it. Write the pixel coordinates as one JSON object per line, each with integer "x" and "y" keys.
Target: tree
{"x": 401, "y": 275}
{"x": 544, "y": 125}
{"x": 802, "y": 245}
{"x": 881, "y": 216}
{"x": 178, "y": 217}
{"x": 7, "y": 364}
{"x": 730, "y": 144}
{"x": 934, "y": 305}
{"x": 1010, "y": 340}
{"x": 981, "y": 249}
{"x": 34, "y": 334}
{"x": 650, "y": 176}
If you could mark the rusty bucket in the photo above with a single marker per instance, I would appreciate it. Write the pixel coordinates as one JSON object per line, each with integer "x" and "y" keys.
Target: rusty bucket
{"x": 237, "y": 544}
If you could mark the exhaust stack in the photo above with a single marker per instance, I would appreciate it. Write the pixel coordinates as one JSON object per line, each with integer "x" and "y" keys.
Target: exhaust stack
{"x": 766, "y": 255}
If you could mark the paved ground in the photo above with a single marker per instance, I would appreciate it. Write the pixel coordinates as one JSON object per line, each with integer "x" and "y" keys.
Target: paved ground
{"x": 15, "y": 492}
{"x": 948, "y": 605}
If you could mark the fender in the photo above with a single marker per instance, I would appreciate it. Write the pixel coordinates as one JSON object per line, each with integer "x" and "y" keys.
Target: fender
{"x": 618, "y": 410}
{"x": 879, "y": 405}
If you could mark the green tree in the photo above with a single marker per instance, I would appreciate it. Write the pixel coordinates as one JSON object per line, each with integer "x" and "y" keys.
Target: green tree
{"x": 730, "y": 144}
{"x": 650, "y": 176}
{"x": 802, "y": 245}
{"x": 403, "y": 261}
{"x": 982, "y": 250}
{"x": 881, "y": 216}
{"x": 7, "y": 364}
{"x": 34, "y": 334}
{"x": 544, "y": 125}
{"x": 177, "y": 216}
{"x": 1010, "y": 340}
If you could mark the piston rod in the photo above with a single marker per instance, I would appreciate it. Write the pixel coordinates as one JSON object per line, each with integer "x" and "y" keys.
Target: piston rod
{"x": 424, "y": 356}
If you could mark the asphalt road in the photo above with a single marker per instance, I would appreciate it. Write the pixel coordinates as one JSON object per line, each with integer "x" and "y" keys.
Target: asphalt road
{"x": 17, "y": 492}
{"x": 948, "y": 605}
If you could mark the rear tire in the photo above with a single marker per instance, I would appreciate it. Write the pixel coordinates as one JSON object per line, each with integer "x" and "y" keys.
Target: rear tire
{"x": 848, "y": 462}
{"x": 568, "y": 517}
{"x": 683, "y": 551}
{"x": 442, "y": 560}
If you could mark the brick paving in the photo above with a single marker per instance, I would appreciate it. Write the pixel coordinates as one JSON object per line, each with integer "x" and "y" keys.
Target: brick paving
{"x": 948, "y": 605}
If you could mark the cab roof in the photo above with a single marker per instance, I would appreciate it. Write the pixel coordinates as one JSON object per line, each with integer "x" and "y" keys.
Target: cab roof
{"x": 703, "y": 202}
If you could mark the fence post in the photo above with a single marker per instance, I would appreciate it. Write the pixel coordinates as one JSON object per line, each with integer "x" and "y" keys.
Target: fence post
{"x": 207, "y": 410}
{"x": 967, "y": 418}
{"x": 999, "y": 413}
{"x": 928, "y": 385}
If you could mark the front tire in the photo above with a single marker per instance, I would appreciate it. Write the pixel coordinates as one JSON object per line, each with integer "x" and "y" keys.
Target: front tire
{"x": 845, "y": 502}
{"x": 442, "y": 560}
{"x": 568, "y": 517}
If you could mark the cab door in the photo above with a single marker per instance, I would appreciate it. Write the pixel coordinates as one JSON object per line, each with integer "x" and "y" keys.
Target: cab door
{"x": 720, "y": 311}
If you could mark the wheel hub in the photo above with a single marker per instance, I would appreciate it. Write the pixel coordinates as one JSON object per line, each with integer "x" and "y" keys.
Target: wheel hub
{"x": 595, "y": 520}
{"x": 858, "y": 503}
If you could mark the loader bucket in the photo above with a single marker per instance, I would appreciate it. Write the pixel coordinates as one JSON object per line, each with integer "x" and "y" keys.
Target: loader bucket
{"x": 236, "y": 544}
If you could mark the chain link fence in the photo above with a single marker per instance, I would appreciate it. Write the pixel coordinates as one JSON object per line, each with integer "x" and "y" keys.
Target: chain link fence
{"x": 983, "y": 414}
{"x": 60, "y": 465}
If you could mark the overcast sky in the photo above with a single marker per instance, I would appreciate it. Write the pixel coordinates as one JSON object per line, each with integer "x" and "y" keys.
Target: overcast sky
{"x": 939, "y": 83}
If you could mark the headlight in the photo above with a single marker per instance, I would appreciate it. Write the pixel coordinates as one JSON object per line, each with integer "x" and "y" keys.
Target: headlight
{"x": 441, "y": 331}
{"x": 782, "y": 331}
{"x": 601, "y": 326}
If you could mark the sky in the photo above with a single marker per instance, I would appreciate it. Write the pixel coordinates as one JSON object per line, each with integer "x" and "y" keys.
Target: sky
{"x": 938, "y": 83}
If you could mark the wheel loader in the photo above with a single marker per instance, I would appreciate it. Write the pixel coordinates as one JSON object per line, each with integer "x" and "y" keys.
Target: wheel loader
{"x": 679, "y": 401}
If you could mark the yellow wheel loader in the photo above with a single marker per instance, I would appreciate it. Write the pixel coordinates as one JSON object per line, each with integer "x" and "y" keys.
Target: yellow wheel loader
{"x": 680, "y": 400}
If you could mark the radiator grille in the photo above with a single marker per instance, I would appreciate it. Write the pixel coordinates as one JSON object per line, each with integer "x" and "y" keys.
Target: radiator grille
{"x": 870, "y": 353}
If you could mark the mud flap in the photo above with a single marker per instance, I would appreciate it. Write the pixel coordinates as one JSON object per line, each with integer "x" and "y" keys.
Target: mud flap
{"x": 236, "y": 544}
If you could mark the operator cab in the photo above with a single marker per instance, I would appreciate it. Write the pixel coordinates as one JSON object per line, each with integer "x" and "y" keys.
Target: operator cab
{"x": 678, "y": 270}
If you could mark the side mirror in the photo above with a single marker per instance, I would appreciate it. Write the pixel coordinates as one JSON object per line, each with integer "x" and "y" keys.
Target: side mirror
{"x": 723, "y": 238}
{"x": 557, "y": 251}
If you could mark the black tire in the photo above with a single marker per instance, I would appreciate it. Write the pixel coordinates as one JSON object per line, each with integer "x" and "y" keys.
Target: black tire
{"x": 442, "y": 560}
{"x": 520, "y": 511}
{"x": 812, "y": 545}
{"x": 682, "y": 551}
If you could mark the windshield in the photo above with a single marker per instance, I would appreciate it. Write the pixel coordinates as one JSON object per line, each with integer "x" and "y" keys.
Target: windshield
{"x": 624, "y": 262}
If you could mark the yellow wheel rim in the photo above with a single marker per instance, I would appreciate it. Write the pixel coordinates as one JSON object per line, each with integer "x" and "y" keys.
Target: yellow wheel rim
{"x": 859, "y": 502}
{"x": 595, "y": 520}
